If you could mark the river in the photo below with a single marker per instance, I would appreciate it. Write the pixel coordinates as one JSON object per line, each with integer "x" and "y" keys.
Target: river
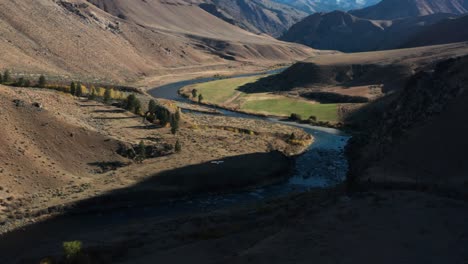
{"x": 322, "y": 165}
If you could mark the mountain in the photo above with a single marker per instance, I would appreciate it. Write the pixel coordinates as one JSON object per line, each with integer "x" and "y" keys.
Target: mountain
{"x": 448, "y": 31}
{"x": 312, "y": 6}
{"x": 123, "y": 41}
{"x": 430, "y": 110}
{"x": 393, "y": 9}
{"x": 258, "y": 16}
{"x": 343, "y": 31}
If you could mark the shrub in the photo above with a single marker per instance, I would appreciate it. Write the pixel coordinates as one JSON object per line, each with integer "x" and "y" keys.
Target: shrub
{"x": 72, "y": 249}
{"x": 78, "y": 91}
{"x": 313, "y": 118}
{"x": 6, "y": 76}
{"x": 132, "y": 104}
{"x": 178, "y": 147}
{"x": 93, "y": 94}
{"x": 42, "y": 82}
{"x": 174, "y": 124}
{"x": 141, "y": 150}
{"x": 27, "y": 83}
{"x": 200, "y": 98}
{"x": 1, "y": 78}
{"x": 20, "y": 82}
{"x": 194, "y": 93}
{"x": 107, "y": 95}
{"x": 295, "y": 117}
{"x": 292, "y": 136}
{"x": 72, "y": 88}
{"x": 163, "y": 115}
{"x": 177, "y": 115}
{"x": 152, "y": 106}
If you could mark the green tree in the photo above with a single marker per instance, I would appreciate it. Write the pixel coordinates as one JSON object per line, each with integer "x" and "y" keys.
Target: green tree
{"x": 72, "y": 88}
{"x": 200, "y": 98}
{"x": 78, "y": 90}
{"x": 152, "y": 106}
{"x": 163, "y": 115}
{"x": 6, "y": 76}
{"x": 137, "y": 108}
{"x": 131, "y": 103}
{"x": 72, "y": 249}
{"x": 178, "y": 146}
{"x": 177, "y": 115}
{"x": 141, "y": 151}
{"x": 174, "y": 124}
{"x": 1, "y": 78}
{"x": 42, "y": 82}
{"x": 20, "y": 82}
{"x": 92, "y": 94}
{"x": 107, "y": 96}
{"x": 194, "y": 93}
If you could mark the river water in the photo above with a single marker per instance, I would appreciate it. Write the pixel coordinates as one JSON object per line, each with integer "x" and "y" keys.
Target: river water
{"x": 322, "y": 165}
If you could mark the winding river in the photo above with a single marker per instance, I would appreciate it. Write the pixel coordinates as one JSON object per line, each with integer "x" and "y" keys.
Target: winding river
{"x": 322, "y": 165}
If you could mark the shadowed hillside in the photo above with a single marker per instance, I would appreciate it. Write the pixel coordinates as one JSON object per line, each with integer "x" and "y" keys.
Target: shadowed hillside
{"x": 420, "y": 138}
{"x": 393, "y": 9}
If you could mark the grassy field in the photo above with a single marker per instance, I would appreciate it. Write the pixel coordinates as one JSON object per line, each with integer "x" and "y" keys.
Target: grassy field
{"x": 224, "y": 93}
{"x": 286, "y": 106}
{"x": 220, "y": 91}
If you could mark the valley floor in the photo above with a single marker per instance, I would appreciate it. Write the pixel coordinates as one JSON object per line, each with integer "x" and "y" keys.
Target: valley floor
{"x": 50, "y": 158}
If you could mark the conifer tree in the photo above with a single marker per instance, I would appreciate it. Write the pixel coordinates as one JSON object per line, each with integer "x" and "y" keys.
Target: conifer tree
{"x": 72, "y": 88}
{"x": 6, "y": 76}
{"x": 178, "y": 146}
{"x": 107, "y": 96}
{"x": 42, "y": 82}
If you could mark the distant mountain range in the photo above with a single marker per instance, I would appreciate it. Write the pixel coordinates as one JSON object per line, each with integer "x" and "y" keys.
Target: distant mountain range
{"x": 387, "y": 25}
{"x": 274, "y": 17}
{"x": 394, "y": 9}
{"x": 312, "y": 6}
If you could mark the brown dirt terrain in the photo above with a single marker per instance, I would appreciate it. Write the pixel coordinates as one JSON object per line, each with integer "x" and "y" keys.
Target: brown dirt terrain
{"x": 420, "y": 139}
{"x": 383, "y": 227}
{"x": 88, "y": 43}
{"x": 350, "y": 73}
{"x": 66, "y": 151}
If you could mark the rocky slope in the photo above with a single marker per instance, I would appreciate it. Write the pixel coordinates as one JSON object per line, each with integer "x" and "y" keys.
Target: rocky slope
{"x": 345, "y": 32}
{"x": 258, "y": 16}
{"x": 312, "y": 6}
{"x": 125, "y": 41}
{"x": 393, "y": 9}
{"x": 448, "y": 31}
{"x": 388, "y": 69}
{"x": 420, "y": 137}
{"x": 386, "y": 25}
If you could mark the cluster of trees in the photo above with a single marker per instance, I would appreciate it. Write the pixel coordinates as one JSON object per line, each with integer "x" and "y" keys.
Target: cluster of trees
{"x": 93, "y": 93}
{"x": 6, "y": 79}
{"x": 158, "y": 112}
{"x": 195, "y": 94}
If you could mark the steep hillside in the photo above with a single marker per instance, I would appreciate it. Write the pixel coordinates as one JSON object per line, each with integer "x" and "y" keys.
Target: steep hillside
{"x": 128, "y": 41}
{"x": 312, "y": 6}
{"x": 421, "y": 137}
{"x": 258, "y": 16}
{"x": 393, "y": 9}
{"x": 448, "y": 31}
{"x": 344, "y": 32}
{"x": 389, "y": 69}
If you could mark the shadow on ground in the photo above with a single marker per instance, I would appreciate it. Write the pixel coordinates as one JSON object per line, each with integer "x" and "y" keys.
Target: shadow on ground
{"x": 118, "y": 208}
